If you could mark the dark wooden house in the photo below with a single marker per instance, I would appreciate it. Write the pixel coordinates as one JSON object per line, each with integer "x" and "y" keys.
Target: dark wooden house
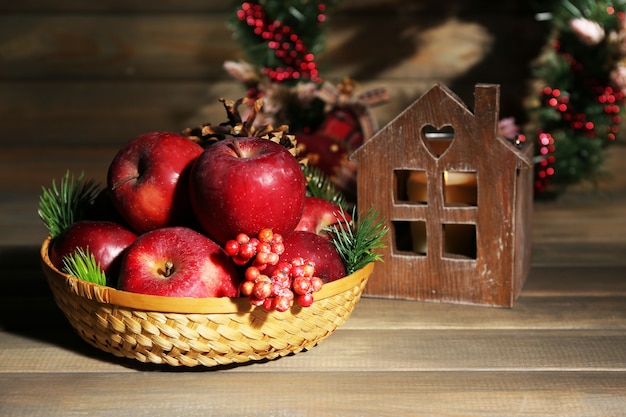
{"x": 457, "y": 199}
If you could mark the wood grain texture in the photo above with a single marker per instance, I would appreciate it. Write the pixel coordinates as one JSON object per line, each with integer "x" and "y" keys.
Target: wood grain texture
{"x": 70, "y": 61}
{"x": 73, "y": 88}
{"x": 338, "y": 394}
{"x": 494, "y": 270}
{"x": 393, "y": 350}
{"x": 110, "y": 46}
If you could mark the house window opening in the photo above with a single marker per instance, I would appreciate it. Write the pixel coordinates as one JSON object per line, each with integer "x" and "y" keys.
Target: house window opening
{"x": 411, "y": 186}
{"x": 459, "y": 241}
{"x": 410, "y": 236}
{"x": 460, "y": 188}
{"x": 438, "y": 140}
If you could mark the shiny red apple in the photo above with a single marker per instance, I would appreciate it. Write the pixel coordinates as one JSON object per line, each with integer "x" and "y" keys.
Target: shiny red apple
{"x": 148, "y": 180}
{"x": 106, "y": 240}
{"x": 301, "y": 244}
{"x": 243, "y": 185}
{"x": 320, "y": 213}
{"x": 178, "y": 262}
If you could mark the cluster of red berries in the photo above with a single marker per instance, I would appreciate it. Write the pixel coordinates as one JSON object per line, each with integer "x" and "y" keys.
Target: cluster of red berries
{"x": 289, "y": 282}
{"x": 608, "y": 97}
{"x": 545, "y": 167}
{"x": 262, "y": 250}
{"x": 286, "y": 44}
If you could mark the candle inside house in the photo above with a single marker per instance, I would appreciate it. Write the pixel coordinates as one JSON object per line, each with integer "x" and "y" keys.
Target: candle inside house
{"x": 459, "y": 188}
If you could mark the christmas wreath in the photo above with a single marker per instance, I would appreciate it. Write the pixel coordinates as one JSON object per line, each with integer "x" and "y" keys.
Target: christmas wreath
{"x": 577, "y": 104}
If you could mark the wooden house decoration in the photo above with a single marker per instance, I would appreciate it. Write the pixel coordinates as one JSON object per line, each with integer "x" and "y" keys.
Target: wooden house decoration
{"x": 457, "y": 198}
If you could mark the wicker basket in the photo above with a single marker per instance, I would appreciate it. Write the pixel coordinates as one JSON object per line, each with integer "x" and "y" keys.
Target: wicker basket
{"x": 198, "y": 331}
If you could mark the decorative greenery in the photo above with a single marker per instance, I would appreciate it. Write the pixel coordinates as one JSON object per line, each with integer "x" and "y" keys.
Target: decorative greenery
{"x": 357, "y": 240}
{"x": 83, "y": 265}
{"x": 577, "y": 107}
{"x": 320, "y": 185}
{"x": 62, "y": 206}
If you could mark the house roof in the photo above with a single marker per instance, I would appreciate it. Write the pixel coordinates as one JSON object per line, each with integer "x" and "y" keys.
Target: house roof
{"x": 486, "y": 105}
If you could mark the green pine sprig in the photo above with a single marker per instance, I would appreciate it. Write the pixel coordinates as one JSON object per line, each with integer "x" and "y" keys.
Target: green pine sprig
{"x": 357, "y": 240}
{"x": 320, "y": 185}
{"x": 63, "y": 205}
{"x": 83, "y": 265}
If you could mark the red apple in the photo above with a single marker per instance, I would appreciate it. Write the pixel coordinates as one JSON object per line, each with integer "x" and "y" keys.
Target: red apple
{"x": 148, "y": 180}
{"x": 243, "y": 185}
{"x": 106, "y": 240}
{"x": 301, "y": 244}
{"x": 318, "y": 214}
{"x": 178, "y": 262}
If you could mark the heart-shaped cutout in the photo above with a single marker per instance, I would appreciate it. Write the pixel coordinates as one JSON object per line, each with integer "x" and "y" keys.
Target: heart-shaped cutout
{"x": 437, "y": 140}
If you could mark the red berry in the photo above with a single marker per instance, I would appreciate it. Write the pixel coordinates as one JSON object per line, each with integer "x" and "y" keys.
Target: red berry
{"x": 262, "y": 258}
{"x": 297, "y": 271}
{"x": 278, "y": 286}
{"x": 297, "y": 261}
{"x": 301, "y": 285}
{"x": 283, "y": 267}
{"x": 283, "y": 303}
{"x": 247, "y": 250}
{"x": 262, "y": 289}
{"x": 281, "y": 278}
{"x": 305, "y": 300}
{"x": 278, "y": 247}
{"x": 273, "y": 258}
{"x": 266, "y": 235}
{"x": 242, "y": 238}
{"x": 252, "y": 273}
{"x": 277, "y": 239}
{"x": 264, "y": 247}
{"x": 269, "y": 304}
{"x": 316, "y": 284}
{"x": 231, "y": 248}
{"x": 246, "y": 288}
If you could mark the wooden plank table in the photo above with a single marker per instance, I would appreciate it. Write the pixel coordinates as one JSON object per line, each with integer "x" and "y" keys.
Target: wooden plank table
{"x": 560, "y": 351}
{"x": 73, "y": 87}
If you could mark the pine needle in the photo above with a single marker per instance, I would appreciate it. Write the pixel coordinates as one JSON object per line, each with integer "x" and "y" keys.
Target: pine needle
{"x": 320, "y": 185}
{"x": 62, "y": 206}
{"x": 83, "y": 265}
{"x": 357, "y": 241}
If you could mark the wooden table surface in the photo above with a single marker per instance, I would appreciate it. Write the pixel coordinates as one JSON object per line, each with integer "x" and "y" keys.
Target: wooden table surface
{"x": 561, "y": 350}
{"x": 73, "y": 87}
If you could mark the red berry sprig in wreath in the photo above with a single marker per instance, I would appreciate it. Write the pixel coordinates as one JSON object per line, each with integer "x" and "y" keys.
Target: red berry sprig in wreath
{"x": 297, "y": 60}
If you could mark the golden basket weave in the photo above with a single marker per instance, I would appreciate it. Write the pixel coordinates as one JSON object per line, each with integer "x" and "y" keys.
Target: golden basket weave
{"x": 198, "y": 331}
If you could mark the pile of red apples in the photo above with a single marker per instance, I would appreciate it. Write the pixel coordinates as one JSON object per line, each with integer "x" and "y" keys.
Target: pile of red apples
{"x": 172, "y": 205}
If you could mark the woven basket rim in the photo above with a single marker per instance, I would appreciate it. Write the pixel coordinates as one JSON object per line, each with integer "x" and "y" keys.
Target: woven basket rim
{"x": 183, "y": 305}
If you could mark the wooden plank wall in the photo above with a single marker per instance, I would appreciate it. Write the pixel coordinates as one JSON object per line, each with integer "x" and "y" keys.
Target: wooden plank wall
{"x": 96, "y": 73}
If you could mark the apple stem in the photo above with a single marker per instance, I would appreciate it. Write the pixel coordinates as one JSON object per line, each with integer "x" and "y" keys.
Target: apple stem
{"x": 169, "y": 267}
{"x": 235, "y": 146}
{"x": 123, "y": 181}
